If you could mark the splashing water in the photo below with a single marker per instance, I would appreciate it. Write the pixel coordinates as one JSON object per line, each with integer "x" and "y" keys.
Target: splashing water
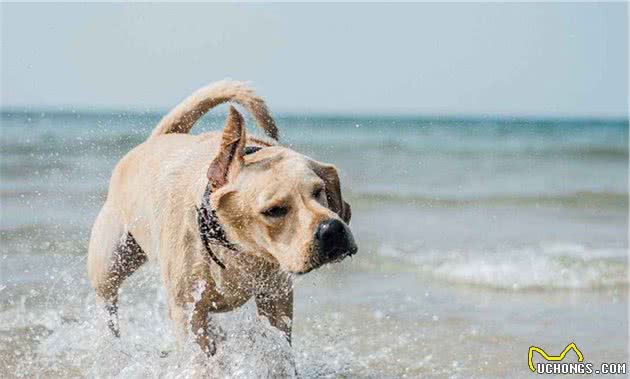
{"x": 61, "y": 332}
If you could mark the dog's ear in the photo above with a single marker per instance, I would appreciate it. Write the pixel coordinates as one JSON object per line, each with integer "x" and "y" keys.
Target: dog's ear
{"x": 229, "y": 159}
{"x": 329, "y": 175}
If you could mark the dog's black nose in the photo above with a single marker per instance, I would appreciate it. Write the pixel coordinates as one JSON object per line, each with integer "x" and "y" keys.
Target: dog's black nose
{"x": 334, "y": 240}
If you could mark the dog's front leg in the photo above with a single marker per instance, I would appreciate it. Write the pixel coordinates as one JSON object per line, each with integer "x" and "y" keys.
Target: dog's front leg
{"x": 276, "y": 303}
{"x": 204, "y": 336}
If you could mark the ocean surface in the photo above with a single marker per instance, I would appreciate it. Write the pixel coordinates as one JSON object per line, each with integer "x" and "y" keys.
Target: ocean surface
{"x": 478, "y": 238}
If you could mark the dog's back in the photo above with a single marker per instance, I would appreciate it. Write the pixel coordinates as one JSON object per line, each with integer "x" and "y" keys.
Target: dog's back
{"x": 165, "y": 170}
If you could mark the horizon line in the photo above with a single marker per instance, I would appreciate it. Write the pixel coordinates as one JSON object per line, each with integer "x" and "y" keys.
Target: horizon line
{"x": 149, "y": 112}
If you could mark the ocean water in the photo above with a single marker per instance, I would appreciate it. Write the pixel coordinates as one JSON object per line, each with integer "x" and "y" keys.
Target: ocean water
{"x": 478, "y": 239}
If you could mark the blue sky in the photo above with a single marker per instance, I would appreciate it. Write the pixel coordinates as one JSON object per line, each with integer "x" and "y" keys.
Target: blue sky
{"x": 449, "y": 59}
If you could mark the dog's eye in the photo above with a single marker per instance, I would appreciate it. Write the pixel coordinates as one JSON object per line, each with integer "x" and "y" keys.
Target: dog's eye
{"x": 276, "y": 212}
{"x": 317, "y": 192}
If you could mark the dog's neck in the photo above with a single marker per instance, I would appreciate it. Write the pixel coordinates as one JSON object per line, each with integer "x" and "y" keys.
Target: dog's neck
{"x": 210, "y": 230}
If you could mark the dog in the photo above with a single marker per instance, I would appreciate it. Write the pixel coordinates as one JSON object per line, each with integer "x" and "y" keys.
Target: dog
{"x": 226, "y": 216}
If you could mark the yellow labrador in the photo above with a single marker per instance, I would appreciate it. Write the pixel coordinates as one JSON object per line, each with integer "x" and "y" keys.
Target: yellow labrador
{"x": 226, "y": 216}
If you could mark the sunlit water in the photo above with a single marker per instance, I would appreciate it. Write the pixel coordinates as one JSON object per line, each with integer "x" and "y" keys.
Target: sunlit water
{"x": 477, "y": 240}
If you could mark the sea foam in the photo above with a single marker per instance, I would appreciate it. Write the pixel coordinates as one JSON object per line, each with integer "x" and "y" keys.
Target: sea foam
{"x": 546, "y": 266}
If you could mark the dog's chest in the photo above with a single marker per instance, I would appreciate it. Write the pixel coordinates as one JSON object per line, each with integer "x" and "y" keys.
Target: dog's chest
{"x": 234, "y": 289}
{"x": 236, "y": 284}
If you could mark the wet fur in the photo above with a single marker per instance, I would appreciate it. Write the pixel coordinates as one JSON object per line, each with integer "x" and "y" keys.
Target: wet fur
{"x": 150, "y": 214}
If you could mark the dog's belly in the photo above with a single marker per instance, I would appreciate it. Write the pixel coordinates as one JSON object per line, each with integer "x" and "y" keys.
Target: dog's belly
{"x": 229, "y": 303}
{"x": 144, "y": 240}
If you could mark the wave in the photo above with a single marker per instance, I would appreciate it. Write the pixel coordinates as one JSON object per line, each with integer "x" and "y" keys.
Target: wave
{"x": 572, "y": 200}
{"x": 468, "y": 150}
{"x": 557, "y": 266}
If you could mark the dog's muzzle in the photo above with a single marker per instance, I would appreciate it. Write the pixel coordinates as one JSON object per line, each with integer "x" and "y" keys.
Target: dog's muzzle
{"x": 334, "y": 241}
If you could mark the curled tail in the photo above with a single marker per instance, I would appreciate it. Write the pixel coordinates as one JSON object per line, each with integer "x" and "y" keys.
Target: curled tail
{"x": 182, "y": 118}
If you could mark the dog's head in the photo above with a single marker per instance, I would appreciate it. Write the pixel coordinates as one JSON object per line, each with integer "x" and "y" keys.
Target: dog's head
{"x": 279, "y": 203}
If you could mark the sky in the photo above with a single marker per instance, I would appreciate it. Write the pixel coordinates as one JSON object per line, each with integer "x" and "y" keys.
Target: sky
{"x": 542, "y": 60}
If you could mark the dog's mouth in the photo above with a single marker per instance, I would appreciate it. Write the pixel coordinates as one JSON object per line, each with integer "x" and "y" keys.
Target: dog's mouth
{"x": 341, "y": 254}
{"x": 334, "y": 256}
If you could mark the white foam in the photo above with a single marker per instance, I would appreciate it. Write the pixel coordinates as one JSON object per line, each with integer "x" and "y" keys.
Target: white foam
{"x": 547, "y": 266}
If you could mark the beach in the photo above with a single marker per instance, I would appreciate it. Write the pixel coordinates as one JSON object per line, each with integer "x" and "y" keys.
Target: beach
{"x": 478, "y": 238}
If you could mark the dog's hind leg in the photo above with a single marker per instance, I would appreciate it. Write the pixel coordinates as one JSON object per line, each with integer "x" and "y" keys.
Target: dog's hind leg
{"x": 113, "y": 256}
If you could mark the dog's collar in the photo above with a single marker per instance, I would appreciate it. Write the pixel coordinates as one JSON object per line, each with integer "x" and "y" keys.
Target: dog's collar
{"x": 211, "y": 231}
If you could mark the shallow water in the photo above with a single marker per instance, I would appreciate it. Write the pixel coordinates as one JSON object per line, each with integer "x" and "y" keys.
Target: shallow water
{"x": 477, "y": 240}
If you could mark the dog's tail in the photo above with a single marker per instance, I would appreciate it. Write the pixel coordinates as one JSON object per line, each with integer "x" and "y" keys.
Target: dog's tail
{"x": 182, "y": 118}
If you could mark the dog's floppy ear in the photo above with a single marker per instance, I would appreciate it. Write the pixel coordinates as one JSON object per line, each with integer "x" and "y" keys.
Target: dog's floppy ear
{"x": 329, "y": 175}
{"x": 229, "y": 160}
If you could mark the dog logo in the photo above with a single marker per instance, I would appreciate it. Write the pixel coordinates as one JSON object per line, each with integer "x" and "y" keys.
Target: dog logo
{"x": 552, "y": 358}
